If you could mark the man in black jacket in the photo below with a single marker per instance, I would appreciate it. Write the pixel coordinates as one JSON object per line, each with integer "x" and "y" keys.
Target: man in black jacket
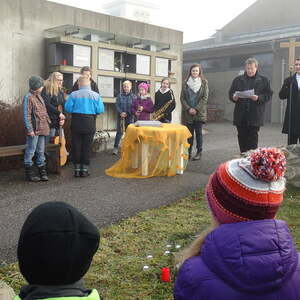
{"x": 249, "y": 112}
{"x": 292, "y": 124}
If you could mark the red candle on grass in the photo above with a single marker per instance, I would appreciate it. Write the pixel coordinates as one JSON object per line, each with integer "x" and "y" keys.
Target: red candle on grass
{"x": 165, "y": 275}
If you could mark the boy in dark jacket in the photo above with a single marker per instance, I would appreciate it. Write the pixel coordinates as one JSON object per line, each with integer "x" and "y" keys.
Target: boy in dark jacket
{"x": 55, "y": 250}
{"x": 123, "y": 106}
{"x": 37, "y": 128}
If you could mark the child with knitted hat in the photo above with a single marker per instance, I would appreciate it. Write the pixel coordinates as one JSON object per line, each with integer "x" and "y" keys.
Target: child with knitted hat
{"x": 55, "y": 249}
{"x": 36, "y": 121}
{"x": 246, "y": 254}
{"x": 143, "y": 105}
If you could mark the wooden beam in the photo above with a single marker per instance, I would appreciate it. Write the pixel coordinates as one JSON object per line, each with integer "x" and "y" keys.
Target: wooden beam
{"x": 291, "y": 46}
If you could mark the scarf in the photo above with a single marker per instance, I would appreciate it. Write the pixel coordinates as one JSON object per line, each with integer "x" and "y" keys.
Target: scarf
{"x": 194, "y": 84}
{"x": 164, "y": 91}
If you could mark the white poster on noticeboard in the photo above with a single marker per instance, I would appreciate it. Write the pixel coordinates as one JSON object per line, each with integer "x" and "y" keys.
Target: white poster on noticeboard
{"x": 162, "y": 67}
{"x": 106, "y": 59}
{"x": 143, "y": 64}
{"x": 81, "y": 56}
{"x": 106, "y": 86}
{"x": 157, "y": 85}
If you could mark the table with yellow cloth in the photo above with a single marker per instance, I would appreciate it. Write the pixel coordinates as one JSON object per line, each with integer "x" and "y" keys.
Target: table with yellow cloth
{"x": 152, "y": 151}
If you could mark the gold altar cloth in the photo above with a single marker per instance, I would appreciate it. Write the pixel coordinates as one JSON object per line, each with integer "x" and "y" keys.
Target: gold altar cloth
{"x": 152, "y": 151}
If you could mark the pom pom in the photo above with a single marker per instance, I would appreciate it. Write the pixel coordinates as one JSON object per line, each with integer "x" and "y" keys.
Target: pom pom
{"x": 268, "y": 164}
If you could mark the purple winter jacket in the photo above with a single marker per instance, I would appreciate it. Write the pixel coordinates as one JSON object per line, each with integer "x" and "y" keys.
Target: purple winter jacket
{"x": 147, "y": 104}
{"x": 243, "y": 261}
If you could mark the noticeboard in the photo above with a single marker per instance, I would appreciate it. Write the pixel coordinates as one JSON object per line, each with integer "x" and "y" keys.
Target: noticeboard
{"x": 81, "y": 56}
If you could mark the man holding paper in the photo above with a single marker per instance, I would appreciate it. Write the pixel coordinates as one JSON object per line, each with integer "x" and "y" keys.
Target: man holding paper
{"x": 249, "y": 92}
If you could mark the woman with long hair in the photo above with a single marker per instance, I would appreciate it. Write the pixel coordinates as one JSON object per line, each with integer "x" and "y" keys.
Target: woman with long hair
{"x": 193, "y": 98}
{"x": 54, "y": 98}
{"x": 246, "y": 254}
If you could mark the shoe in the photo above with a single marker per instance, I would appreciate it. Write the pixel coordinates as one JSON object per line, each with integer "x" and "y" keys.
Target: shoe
{"x": 197, "y": 156}
{"x": 84, "y": 171}
{"x": 115, "y": 151}
{"x": 30, "y": 174}
{"x": 43, "y": 173}
{"x": 77, "y": 170}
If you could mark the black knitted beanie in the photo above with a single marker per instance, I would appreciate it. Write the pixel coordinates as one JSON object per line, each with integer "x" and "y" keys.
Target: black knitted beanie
{"x": 56, "y": 245}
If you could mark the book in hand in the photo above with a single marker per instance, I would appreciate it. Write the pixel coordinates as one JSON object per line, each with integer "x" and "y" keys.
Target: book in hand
{"x": 148, "y": 123}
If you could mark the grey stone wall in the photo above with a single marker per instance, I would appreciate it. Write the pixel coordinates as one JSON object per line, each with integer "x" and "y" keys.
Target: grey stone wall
{"x": 22, "y": 47}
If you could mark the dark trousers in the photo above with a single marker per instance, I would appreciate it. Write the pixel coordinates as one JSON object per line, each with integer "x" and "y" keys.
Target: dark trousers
{"x": 247, "y": 137}
{"x": 195, "y": 127}
{"x": 81, "y": 147}
{"x": 119, "y": 134}
{"x": 293, "y": 139}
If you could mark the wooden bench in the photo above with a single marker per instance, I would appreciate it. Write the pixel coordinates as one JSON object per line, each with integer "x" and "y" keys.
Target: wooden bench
{"x": 214, "y": 113}
{"x": 53, "y": 163}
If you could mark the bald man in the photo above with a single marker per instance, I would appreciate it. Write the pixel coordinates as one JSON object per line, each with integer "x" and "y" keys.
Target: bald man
{"x": 84, "y": 105}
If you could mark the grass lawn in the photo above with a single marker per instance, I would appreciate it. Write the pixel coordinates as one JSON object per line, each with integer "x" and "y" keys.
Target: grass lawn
{"x": 118, "y": 271}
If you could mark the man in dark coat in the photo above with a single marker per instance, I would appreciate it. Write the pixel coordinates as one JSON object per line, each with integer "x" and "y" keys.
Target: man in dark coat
{"x": 292, "y": 82}
{"x": 249, "y": 112}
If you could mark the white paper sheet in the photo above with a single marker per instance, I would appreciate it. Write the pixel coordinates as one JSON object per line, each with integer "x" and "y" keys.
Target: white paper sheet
{"x": 244, "y": 94}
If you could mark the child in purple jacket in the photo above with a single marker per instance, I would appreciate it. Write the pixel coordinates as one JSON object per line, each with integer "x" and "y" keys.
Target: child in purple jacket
{"x": 142, "y": 106}
{"x": 247, "y": 254}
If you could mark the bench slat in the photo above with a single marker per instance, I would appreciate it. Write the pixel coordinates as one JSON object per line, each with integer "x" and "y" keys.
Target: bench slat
{"x": 54, "y": 161}
{"x": 19, "y": 149}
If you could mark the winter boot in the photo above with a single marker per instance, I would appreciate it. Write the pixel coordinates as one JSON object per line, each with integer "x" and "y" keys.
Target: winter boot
{"x": 115, "y": 151}
{"x": 198, "y": 155}
{"x": 77, "y": 170}
{"x": 84, "y": 171}
{"x": 30, "y": 174}
{"x": 43, "y": 173}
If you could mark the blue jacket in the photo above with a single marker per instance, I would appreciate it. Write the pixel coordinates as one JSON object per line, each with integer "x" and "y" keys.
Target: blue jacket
{"x": 84, "y": 101}
{"x": 124, "y": 102}
{"x": 243, "y": 261}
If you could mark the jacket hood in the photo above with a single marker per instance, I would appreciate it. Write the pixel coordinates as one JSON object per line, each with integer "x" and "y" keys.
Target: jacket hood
{"x": 252, "y": 256}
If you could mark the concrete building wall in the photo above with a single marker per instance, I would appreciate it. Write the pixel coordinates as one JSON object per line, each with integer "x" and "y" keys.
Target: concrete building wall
{"x": 264, "y": 15}
{"x": 22, "y": 47}
{"x": 219, "y": 84}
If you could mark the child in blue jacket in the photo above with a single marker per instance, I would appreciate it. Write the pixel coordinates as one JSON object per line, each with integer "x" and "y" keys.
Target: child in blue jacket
{"x": 84, "y": 105}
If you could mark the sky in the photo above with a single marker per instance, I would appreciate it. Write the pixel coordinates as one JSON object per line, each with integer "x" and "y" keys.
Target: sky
{"x": 197, "y": 19}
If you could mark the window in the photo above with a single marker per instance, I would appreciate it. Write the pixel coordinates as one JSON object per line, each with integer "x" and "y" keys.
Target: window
{"x": 162, "y": 67}
{"x": 129, "y": 63}
{"x": 106, "y": 86}
{"x": 106, "y": 59}
{"x": 142, "y": 64}
{"x": 81, "y": 56}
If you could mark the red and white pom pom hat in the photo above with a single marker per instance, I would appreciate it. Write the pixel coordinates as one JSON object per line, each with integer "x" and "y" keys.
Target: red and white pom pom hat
{"x": 248, "y": 189}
